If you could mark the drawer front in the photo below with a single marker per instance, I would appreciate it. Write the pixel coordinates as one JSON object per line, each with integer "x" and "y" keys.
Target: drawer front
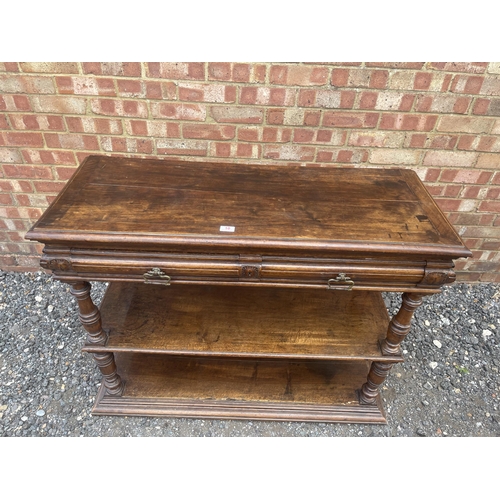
{"x": 168, "y": 269}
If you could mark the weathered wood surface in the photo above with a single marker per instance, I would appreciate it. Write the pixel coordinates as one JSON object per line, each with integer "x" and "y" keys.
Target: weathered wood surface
{"x": 157, "y": 203}
{"x": 244, "y": 322}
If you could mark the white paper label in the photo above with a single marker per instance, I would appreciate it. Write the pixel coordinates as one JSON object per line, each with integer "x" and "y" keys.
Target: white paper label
{"x": 227, "y": 229}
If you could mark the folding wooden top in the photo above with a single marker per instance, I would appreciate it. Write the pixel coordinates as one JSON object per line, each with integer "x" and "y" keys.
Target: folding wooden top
{"x": 158, "y": 203}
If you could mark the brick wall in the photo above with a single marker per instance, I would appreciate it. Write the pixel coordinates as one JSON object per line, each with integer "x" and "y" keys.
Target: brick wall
{"x": 440, "y": 119}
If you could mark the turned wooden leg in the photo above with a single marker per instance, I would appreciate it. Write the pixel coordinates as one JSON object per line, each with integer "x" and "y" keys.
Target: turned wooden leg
{"x": 377, "y": 374}
{"x": 90, "y": 317}
{"x": 396, "y": 332}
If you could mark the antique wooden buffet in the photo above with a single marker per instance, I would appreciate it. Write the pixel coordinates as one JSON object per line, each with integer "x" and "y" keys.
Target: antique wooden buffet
{"x": 245, "y": 291}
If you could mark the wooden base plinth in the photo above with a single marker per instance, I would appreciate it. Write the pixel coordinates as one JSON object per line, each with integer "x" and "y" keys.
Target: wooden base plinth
{"x": 174, "y": 386}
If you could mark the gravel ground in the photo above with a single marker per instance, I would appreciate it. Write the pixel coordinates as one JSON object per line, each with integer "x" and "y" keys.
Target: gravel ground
{"x": 449, "y": 384}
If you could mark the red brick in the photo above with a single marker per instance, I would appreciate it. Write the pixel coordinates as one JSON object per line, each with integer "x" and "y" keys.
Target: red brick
{"x": 153, "y": 90}
{"x": 423, "y": 123}
{"x": 472, "y": 176}
{"x": 259, "y": 73}
{"x": 378, "y": 79}
{"x": 490, "y": 206}
{"x": 467, "y": 84}
{"x": 208, "y": 131}
{"x": 125, "y": 144}
{"x": 350, "y": 120}
{"x": 229, "y": 94}
{"x": 301, "y": 75}
{"x": 153, "y": 128}
{"x": 422, "y": 81}
{"x": 48, "y": 187}
{"x": 278, "y": 97}
{"x": 406, "y": 103}
{"x": 448, "y": 205}
{"x": 488, "y": 143}
{"x": 275, "y": 116}
{"x": 248, "y": 95}
{"x": 223, "y": 149}
{"x": 462, "y": 105}
{"x": 304, "y": 135}
{"x": 206, "y": 92}
{"x": 177, "y": 111}
{"x": 32, "y": 139}
{"x": 27, "y": 172}
{"x": 442, "y": 104}
{"x": 6, "y": 199}
{"x": 49, "y": 157}
{"x": 312, "y": 118}
{"x": 191, "y": 94}
{"x": 273, "y": 134}
{"x": 418, "y": 141}
{"x": 65, "y": 173}
{"x": 10, "y": 67}
{"x": 94, "y": 125}
{"x": 324, "y": 135}
{"x": 493, "y": 193}
{"x": 37, "y": 122}
{"x": 245, "y": 150}
{"x": 241, "y": 73}
{"x": 446, "y": 83}
{"x": 340, "y": 77}
{"x": 443, "y": 142}
{"x": 490, "y": 245}
{"x": 474, "y": 220}
{"x": 448, "y": 175}
{"x": 131, "y": 88}
{"x": 177, "y": 70}
{"x": 368, "y": 100}
{"x": 237, "y": 114}
{"x": 481, "y": 106}
{"x": 14, "y": 103}
{"x": 219, "y": 71}
{"x": 8, "y": 261}
{"x": 252, "y": 134}
{"x": 490, "y": 160}
{"x": 307, "y": 97}
{"x": 470, "y": 192}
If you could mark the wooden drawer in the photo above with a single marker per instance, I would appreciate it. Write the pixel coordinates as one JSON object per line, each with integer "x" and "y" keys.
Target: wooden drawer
{"x": 168, "y": 268}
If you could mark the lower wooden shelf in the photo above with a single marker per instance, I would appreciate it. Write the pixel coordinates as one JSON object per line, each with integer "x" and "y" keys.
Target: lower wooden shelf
{"x": 242, "y": 352}
{"x": 179, "y": 386}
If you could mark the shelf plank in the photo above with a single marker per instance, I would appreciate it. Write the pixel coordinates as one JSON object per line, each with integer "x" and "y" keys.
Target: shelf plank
{"x": 244, "y": 322}
{"x": 174, "y": 386}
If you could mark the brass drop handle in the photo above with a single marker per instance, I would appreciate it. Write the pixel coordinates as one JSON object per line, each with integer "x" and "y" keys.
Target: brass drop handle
{"x": 341, "y": 282}
{"x": 156, "y": 277}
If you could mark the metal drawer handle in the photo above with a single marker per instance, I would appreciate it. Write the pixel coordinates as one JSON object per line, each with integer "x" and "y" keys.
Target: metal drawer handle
{"x": 341, "y": 282}
{"x": 156, "y": 274}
